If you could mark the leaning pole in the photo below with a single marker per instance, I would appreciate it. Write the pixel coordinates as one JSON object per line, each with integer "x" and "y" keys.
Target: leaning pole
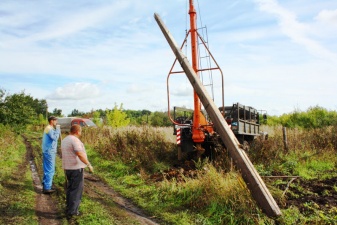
{"x": 252, "y": 178}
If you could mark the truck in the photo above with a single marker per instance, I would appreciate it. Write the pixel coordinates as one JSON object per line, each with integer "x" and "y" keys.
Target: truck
{"x": 244, "y": 122}
{"x": 66, "y": 122}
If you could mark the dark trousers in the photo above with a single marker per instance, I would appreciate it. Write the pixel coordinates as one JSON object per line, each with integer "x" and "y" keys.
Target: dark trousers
{"x": 75, "y": 183}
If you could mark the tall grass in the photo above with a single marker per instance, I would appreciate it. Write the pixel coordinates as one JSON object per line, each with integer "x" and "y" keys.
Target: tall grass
{"x": 16, "y": 192}
{"x": 143, "y": 147}
{"x": 128, "y": 156}
{"x": 303, "y": 146}
{"x": 213, "y": 198}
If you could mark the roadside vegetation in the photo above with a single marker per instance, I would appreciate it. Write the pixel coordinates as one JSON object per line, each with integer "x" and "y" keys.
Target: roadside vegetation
{"x": 17, "y": 195}
{"x": 139, "y": 162}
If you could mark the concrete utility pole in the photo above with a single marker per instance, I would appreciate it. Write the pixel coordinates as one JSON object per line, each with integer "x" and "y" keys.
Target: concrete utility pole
{"x": 253, "y": 180}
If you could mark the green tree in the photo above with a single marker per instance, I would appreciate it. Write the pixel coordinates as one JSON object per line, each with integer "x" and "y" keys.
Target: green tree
{"x": 146, "y": 113}
{"x": 75, "y": 113}
{"x": 318, "y": 117}
{"x": 40, "y": 106}
{"x": 17, "y": 110}
{"x": 314, "y": 117}
{"x": 135, "y": 116}
{"x": 160, "y": 119}
{"x": 116, "y": 117}
{"x": 96, "y": 118}
{"x": 56, "y": 112}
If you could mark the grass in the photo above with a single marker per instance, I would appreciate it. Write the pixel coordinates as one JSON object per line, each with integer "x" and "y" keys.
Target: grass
{"x": 213, "y": 198}
{"x": 308, "y": 164}
{"x": 204, "y": 200}
{"x": 17, "y": 196}
{"x": 127, "y": 158}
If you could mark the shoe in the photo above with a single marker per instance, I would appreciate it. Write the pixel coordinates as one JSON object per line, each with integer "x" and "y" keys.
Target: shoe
{"x": 69, "y": 216}
{"x": 48, "y": 191}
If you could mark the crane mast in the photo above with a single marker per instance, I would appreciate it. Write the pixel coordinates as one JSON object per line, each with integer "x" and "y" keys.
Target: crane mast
{"x": 198, "y": 135}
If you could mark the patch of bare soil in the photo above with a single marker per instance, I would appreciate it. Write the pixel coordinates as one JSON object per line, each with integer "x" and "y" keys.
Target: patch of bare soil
{"x": 321, "y": 193}
{"x": 46, "y": 207}
{"x": 179, "y": 172}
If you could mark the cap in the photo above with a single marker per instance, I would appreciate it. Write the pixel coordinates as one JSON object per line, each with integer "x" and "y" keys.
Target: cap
{"x": 51, "y": 118}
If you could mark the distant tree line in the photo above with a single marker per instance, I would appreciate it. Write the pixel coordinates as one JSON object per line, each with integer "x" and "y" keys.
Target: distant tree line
{"x": 313, "y": 117}
{"x": 20, "y": 110}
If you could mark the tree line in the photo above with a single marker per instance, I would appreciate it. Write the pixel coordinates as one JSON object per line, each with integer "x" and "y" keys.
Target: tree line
{"x": 313, "y": 117}
{"x": 20, "y": 110}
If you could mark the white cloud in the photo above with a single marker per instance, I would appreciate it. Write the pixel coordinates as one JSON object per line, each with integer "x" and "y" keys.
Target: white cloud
{"x": 296, "y": 30}
{"x": 327, "y": 16}
{"x": 75, "y": 91}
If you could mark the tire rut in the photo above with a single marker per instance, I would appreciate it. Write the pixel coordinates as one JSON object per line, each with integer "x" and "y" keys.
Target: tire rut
{"x": 45, "y": 206}
{"x": 97, "y": 189}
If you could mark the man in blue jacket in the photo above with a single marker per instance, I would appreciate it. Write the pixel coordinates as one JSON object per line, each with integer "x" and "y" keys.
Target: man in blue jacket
{"x": 49, "y": 149}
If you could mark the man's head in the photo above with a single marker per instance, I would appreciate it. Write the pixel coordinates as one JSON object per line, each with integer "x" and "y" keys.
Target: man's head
{"x": 76, "y": 130}
{"x": 51, "y": 118}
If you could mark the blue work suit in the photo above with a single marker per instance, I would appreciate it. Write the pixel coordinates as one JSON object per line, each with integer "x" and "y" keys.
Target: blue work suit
{"x": 49, "y": 149}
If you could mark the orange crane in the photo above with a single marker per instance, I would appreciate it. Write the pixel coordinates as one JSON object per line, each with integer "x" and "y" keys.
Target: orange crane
{"x": 200, "y": 125}
{"x": 198, "y": 135}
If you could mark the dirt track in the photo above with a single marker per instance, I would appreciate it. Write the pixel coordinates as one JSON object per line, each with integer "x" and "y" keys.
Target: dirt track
{"x": 45, "y": 206}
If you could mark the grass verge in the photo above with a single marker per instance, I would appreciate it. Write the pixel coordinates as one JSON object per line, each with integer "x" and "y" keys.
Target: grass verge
{"x": 17, "y": 196}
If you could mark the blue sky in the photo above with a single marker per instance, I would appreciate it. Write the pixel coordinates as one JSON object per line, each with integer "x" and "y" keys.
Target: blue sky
{"x": 278, "y": 56}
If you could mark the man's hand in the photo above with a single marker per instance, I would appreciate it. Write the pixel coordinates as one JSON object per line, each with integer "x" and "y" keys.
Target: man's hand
{"x": 91, "y": 169}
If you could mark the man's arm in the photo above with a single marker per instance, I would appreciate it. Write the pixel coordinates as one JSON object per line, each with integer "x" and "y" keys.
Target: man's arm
{"x": 83, "y": 157}
{"x": 54, "y": 134}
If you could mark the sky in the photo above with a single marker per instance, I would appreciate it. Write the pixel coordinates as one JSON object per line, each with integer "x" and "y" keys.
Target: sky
{"x": 277, "y": 56}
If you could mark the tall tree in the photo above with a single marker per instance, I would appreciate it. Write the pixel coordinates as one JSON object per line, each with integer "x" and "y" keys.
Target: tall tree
{"x": 75, "y": 112}
{"x": 116, "y": 117}
{"x": 160, "y": 119}
{"x": 17, "y": 110}
{"x": 56, "y": 112}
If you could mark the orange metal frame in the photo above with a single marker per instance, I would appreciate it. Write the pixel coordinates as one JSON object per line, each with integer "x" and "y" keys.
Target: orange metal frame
{"x": 198, "y": 135}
